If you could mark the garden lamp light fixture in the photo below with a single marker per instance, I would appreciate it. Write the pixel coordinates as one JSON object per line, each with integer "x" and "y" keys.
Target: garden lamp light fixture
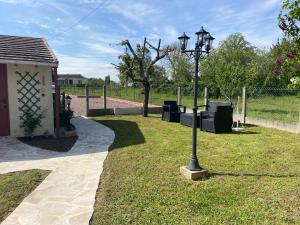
{"x": 68, "y": 101}
{"x": 202, "y": 47}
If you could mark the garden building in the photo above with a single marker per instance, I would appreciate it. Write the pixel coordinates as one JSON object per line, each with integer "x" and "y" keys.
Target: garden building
{"x": 71, "y": 79}
{"x": 28, "y": 86}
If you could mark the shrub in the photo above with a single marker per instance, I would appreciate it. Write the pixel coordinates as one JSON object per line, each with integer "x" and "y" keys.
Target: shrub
{"x": 31, "y": 121}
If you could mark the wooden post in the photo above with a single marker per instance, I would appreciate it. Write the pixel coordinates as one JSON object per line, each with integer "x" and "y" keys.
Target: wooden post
{"x": 244, "y": 106}
{"x": 57, "y": 102}
{"x": 205, "y": 96}
{"x": 64, "y": 101}
{"x": 179, "y": 96}
{"x": 86, "y": 100}
{"x": 104, "y": 95}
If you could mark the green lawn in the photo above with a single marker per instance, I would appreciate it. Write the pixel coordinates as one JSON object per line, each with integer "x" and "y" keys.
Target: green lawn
{"x": 255, "y": 176}
{"x": 14, "y": 187}
{"x": 281, "y": 108}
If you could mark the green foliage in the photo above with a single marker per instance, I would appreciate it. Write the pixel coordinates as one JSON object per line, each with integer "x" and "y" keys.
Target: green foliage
{"x": 295, "y": 83}
{"x": 157, "y": 74}
{"x": 65, "y": 117}
{"x": 95, "y": 82}
{"x": 288, "y": 21}
{"x": 236, "y": 63}
{"x": 31, "y": 121}
{"x": 14, "y": 187}
{"x": 255, "y": 176}
{"x": 181, "y": 68}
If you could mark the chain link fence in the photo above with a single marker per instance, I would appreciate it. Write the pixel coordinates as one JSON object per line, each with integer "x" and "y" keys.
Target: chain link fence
{"x": 261, "y": 103}
{"x": 273, "y": 104}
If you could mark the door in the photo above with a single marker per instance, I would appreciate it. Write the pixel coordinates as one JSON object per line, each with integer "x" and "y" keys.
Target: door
{"x": 4, "y": 110}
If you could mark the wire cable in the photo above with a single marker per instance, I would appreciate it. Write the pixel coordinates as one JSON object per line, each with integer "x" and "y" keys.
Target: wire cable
{"x": 80, "y": 20}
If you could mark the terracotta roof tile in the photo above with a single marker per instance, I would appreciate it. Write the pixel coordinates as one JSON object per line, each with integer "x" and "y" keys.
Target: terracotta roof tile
{"x": 26, "y": 49}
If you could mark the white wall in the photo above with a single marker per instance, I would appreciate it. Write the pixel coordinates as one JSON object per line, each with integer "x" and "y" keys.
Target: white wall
{"x": 65, "y": 81}
{"x": 46, "y": 102}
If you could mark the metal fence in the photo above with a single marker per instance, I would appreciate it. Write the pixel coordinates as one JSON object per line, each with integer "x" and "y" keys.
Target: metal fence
{"x": 273, "y": 104}
{"x": 261, "y": 103}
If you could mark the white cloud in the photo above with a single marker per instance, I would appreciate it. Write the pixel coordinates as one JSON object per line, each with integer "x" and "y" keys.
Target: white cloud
{"x": 82, "y": 27}
{"x": 45, "y": 26}
{"x": 100, "y": 48}
{"x": 134, "y": 11}
{"x": 59, "y": 20}
{"x": 18, "y": 1}
{"x": 127, "y": 29}
{"x": 269, "y": 4}
{"x": 89, "y": 67}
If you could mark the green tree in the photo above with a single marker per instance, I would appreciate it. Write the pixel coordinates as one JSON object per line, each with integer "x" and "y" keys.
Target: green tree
{"x": 227, "y": 68}
{"x": 288, "y": 21}
{"x": 138, "y": 66}
{"x": 181, "y": 68}
{"x": 95, "y": 82}
{"x": 261, "y": 72}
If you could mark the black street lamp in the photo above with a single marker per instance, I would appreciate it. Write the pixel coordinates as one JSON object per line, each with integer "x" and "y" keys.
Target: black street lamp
{"x": 68, "y": 102}
{"x": 203, "y": 46}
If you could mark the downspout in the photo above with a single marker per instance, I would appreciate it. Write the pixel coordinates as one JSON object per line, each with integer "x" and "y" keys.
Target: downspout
{"x": 57, "y": 101}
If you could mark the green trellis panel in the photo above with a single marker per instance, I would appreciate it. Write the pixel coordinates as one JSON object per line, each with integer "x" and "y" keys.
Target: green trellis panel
{"x": 28, "y": 93}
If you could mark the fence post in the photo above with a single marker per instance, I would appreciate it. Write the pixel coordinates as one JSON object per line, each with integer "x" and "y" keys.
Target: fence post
{"x": 179, "y": 95}
{"x": 87, "y": 100}
{"x": 104, "y": 95}
{"x": 244, "y": 106}
{"x": 205, "y": 96}
{"x": 64, "y": 101}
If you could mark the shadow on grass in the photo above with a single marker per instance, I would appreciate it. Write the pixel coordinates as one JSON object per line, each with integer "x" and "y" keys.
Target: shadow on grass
{"x": 243, "y": 132}
{"x": 272, "y": 111}
{"x": 213, "y": 174}
{"x": 127, "y": 133}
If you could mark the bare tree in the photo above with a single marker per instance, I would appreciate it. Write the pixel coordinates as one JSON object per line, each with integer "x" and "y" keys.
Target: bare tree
{"x": 144, "y": 66}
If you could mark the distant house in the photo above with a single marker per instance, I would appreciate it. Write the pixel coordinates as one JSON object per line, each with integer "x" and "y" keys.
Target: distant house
{"x": 71, "y": 79}
{"x": 28, "y": 68}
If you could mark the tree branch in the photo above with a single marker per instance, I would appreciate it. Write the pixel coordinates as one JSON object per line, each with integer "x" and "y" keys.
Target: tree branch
{"x": 126, "y": 42}
{"x": 144, "y": 48}
{"x": 158, "y": 56}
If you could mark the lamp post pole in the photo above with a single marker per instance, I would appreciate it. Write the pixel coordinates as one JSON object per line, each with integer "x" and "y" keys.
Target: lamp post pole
{"x": 204, "y": 39}
{"x": 194, "y": 164}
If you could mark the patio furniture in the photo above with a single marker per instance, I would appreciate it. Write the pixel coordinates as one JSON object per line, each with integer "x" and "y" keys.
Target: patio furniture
{"x": 171, "y": 111}
{"x": 187, "y": 119}
{"x": 217, "y": 118}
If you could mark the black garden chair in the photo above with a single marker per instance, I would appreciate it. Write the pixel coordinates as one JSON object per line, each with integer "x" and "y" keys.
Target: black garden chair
{"x": 217, "y": 118}
{"x": 171, "y": 111}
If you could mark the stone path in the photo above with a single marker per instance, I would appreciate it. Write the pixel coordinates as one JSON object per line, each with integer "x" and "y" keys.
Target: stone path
{"x": 67, "y": 195}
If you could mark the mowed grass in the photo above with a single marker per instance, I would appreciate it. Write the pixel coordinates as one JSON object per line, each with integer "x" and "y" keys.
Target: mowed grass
{"x": 14, "y": 187}
{"x": 255, "y": 176}
{"x": 279, "y": 108}
{"x": 282, "y": 108}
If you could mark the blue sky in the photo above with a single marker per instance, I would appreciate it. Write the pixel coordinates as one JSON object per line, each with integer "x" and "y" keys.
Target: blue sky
{"x": 84, "y": 33}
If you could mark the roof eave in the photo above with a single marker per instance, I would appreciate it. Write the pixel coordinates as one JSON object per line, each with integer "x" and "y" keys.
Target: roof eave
{"x": 24, "y": 62}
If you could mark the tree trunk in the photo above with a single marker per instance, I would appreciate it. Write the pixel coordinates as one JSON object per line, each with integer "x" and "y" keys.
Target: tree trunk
{"x": 146, "y": 98}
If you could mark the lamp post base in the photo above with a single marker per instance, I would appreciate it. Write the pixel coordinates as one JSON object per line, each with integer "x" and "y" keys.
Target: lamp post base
{"x": 194, "y": 175}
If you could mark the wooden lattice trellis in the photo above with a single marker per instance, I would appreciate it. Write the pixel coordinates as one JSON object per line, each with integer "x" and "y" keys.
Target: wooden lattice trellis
{"x": 28, "y": 93}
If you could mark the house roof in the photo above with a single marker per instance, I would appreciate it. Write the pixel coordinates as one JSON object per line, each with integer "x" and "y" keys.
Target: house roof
{"x": 64, "y": 76}
{"x": 26, "y": 50}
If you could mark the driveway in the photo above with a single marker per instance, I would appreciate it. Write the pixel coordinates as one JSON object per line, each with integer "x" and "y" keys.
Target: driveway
{"x": 78, "y": 104}
{"x": 67, "y": 195}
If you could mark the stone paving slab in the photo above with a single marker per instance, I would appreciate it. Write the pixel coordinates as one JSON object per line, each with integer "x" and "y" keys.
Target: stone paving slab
{"x": 67, "y": 195}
